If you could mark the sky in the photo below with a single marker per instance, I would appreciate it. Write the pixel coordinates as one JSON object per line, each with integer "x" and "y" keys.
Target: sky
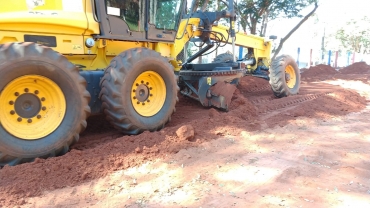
{"x": 331, "y": 14}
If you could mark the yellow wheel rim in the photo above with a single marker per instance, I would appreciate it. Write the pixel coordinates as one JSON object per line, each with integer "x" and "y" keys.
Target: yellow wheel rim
{"x": 32, "y": 107}
{"x": 290, "y": 76}
{"x": 148, "y": 93}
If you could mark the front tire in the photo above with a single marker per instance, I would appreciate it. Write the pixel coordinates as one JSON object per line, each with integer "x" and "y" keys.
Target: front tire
{"x": 44, "y": 103}
{"x": 285, "y": 77}
{"x": 139, "y": 91}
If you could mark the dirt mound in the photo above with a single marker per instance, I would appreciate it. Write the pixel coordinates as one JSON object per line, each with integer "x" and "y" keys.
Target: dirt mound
{"x": 356, "y": 68}
{"x": 319, "y": 72}
{"x": 103, "y": 150}
{"x": 328, "y": 102}
{"x": 252, "y": 84}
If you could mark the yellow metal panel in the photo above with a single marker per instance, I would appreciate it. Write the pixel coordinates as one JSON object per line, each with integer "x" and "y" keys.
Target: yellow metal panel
{"x": 21, "y": 5}
{"x": 93, "y": 26}
{"x": 262, "y": 48}
{"x": 164, "y": 49}
{"x": 7, "y": 39}
{"x": 180, "y": 40}
{"x": 62, "y": 23}
{"x": 113, "y": 48}
{"x": 251, "y": 41}
{"x": 68, "y": 44}
{"x": 92, "y": 61}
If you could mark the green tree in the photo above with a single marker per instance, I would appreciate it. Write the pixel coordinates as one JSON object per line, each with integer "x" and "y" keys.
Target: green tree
{"x": 167, "y": 13}
{"x": 255, "y": 14}
{"x": 355, "y": 36}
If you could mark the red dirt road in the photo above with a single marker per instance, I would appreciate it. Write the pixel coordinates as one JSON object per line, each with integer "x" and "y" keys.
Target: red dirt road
{"x": 261, "y": 146}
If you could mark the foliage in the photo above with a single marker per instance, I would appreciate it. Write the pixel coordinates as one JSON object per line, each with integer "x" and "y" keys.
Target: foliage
{"x": 255, "y": 14}
{"x": 355, "y": 36}
{"x": 167, "y": 13}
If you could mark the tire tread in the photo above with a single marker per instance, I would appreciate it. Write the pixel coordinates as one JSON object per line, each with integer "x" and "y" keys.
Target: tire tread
{"x": 113, "y": 80}
{"x": 17, "y": 50}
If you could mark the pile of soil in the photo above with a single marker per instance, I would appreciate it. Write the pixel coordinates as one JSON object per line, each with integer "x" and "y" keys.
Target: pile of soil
{"x": 356, "y": 68}
{"x": 103, "y": 150}
{"x": 252, "y": 84}
{"x": 319, "y": 72}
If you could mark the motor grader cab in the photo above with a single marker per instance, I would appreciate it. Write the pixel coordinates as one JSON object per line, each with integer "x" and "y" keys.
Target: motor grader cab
{"x": 63, "y": 60}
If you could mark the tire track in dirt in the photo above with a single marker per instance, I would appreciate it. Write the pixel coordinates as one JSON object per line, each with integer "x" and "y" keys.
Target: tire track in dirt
{"x": 257, "y": 89}
{"x": 284, "y": 103}
{"x": 102, "y": 150}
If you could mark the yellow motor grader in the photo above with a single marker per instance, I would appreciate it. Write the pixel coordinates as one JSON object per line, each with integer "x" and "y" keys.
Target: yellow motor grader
{"x": 64, "y": 60}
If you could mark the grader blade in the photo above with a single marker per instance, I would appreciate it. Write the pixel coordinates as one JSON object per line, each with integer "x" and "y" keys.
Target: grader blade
{"x": 211, "y": 88}
{"x": 220, "y": 94}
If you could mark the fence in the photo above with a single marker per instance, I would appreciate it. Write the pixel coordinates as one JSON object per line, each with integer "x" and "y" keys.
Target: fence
{"x": 332, "y": 58}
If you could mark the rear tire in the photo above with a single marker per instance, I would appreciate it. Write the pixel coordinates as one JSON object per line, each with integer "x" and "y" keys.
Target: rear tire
{"x": 226, "y": 57}
{"x": 44, "y": 103}
{"x": 285, "y": 77}
{"x": 139, "y": 91}
{"x": 223, "y": 57}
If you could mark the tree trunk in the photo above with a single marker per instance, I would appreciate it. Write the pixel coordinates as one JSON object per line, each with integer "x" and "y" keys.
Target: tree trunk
{"x": 243, "y": 24}
{"x": 253, "y": 27}
{"x": 266, "y": 22}
{"x": 292, "y": 31}
{"x": 262, "y": 25}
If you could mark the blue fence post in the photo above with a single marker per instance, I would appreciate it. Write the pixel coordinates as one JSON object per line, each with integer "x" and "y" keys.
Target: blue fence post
{"x": 240, "y": 52}
{"x": 348, "y": 55}
{"x": 329, "y": 57}
{"x": 299, "y": 51}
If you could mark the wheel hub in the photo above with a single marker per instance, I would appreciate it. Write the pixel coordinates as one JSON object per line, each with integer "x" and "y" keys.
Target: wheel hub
{"x": 27, "y": 105}
{"x": 148, "y": 93}
{"x": 290, "y": 76}
{"x": 287, "y": 77}
{"x": 142, "y": 93}
{"x": 33, "y": 106}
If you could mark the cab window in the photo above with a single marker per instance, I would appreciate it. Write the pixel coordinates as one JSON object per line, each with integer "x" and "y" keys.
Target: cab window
{"x": 130, "y": 11}
{"x": 165, "y": 14}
